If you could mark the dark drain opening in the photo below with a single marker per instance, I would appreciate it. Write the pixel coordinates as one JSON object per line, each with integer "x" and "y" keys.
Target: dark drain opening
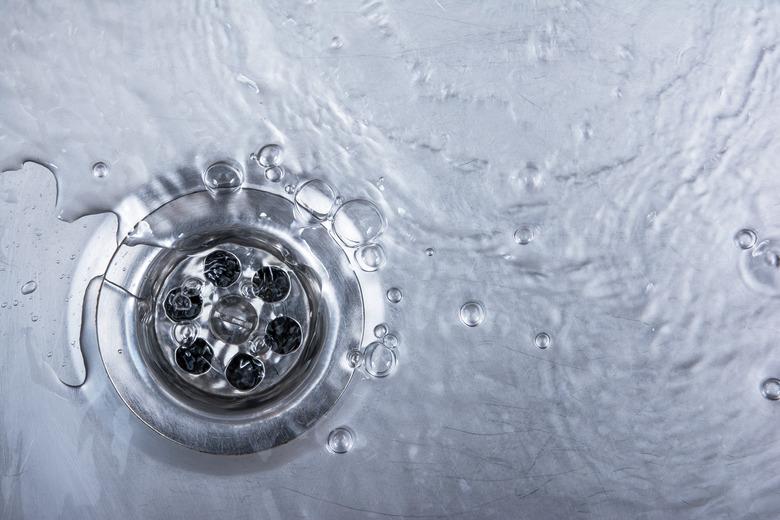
{"x": 283, "y": 335}
{"x": 195, "y": 358}
{"x": 180, "y": 306}
{"x": 245, "y": 372}
{"x": 222, "y": 268}
{"x": 271, "y": 284}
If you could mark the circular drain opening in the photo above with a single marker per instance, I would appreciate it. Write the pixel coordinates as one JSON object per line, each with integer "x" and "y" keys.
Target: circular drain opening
{"x": 234, "y": 330}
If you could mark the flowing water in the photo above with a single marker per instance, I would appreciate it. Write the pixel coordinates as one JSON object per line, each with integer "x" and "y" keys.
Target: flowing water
{"x": 572, "y": 205}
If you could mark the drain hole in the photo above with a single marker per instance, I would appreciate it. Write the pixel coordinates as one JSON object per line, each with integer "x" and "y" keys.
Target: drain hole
{"x": 195, "y": 358}
{"x": 222, "y": 268}
{"x": 271, "y": 284}
{"x": 245, "y": 372}
{"x": 283, "y": 335}
{"x": 180, "y": 306}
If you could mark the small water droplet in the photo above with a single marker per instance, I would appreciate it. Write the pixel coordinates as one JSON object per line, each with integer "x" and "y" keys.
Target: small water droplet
{"x": 16, "y": 303}
{"x": 745, "y": 238}
{"x": 341, "y": 440}
{"x": 380, "y": 330}
{"x": 100, "y": 170}
{"x": 119, "y": 351}
{"x": 370, "y": 257}
{"x": 29, "y": 287}
{"x": 770, "y": 389}
{"x": 336, "y": 42}
{"x": 524, "y": 234}
{"x": 543, "y": 340}
{"x": 34, "y": 317}
{"x": 289, "y": 189}
{"x": 4, "y": 305}
{"x": 270, "y": 155}
{"x": 274, "y": 173}
{"x": 223, "y": 177}
{"x": 379, "y": 359}
{"x": 391, "y": 340}
{"x": 184, "y": 332}
{"x": 354, "y": 358}
{"x": 315, "y": 197}
{"x": 49, "y": 354}
{"x": 430, "y": 251}
{"x": 357, "y": 222}
{"x": 395, "y": 295}
{"x": 472, "y": 314}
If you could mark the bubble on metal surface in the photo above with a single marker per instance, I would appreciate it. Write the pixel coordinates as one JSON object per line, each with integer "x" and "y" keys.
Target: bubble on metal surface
{"x": 472, "y": 313}
{"x": 370, "y": 257}
{"x": 770, "y": 388}
{"x": 379, "y": 359}
{"x": 29, "y": 287}
{"x": 380, "y": 330}
{"x": 271, "y": 284}
{"x": 341, "y": 440}
{"x": 184, "y": 332}
{"x": 100, "y": 170}
{"x": 358, "y": 222}
{"x": 430, "y": 251}
{"x": 760, "y": 267}
{"x": 391, "y": 340}
{"x": 394, "y": 295}
{"x": 195, "y": 358}
{"x": 223, "y": 177}
{"x": 274, "y": 173}
{"x": 745, "y": 238}
{"x": 543, "y": 340}
{"x": 221, "y": 268}
{"x": 244, "y": 372}
{"x": 315, "y": 197}
{"x": 269, "y": 156}
{"x": 283, "y": 334}
{"x": 524, "y": 234}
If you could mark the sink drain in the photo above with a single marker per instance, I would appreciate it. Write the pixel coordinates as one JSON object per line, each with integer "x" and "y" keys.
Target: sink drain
{"x": 228, "y": 332}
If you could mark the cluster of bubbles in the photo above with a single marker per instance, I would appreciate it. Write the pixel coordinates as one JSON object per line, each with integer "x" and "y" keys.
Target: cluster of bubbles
{"x": 380, "y": 357}
{"x": 760, "y": 261}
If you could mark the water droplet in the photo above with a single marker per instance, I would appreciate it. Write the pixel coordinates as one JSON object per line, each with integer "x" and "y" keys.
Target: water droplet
{"x": 391, "y": 340}
{"x": 223, "y": 176}
{"x": 379, "y": 359}
{"x": 16, "y": 303}
{"x": 341, "y": 440}
{"x": 524, "y": 234}
{"x": 472, "y": 313}
{"x": 370, "y": 257}
{"x": 358, "y": 222}
{"x": 49, "y": 354}
{"x": 336, "y": 42}
{"x": 315, "y": 197}
{"x": 770, "y": 389}
{"x": 760, "y": 269}
{"x": 34, "y": 317}
{"x": 100, "y": 170}
{"x": 119, "y": 351}
{"x": 289, "y": 189}
{"x": 430, "y": 251}
{"x": 184, "y": 332}
{"x": 4, "y": 305}
{"x": 354, "y": 358}
{"x": 274, "y": 173}
{"x": 380, "y": 330}
{"x": 394, "y": 295}
{"x": 745, "y": 238}
{"x": 543, "y": 340}
{"x": 270, "y": 155}
{"x": 29, "y": 287}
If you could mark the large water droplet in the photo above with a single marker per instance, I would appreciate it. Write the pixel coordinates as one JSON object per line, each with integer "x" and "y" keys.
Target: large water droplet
{"x": 358, "y": 222}
{"x": 100, "y": 170}
{"x": 270, "y": 155}
{"x": 315, "y": 197}
{"x": 745, "y": 238}
{"x": 29, "y": 287}
{"x": 395, "y": 295}
{"x": 760, "y": 268}
{"x": 379, "y": 359}
{"x": 543, "y": 340}
{"x": 472, "y": 314}
{"x": 341, "y": 440}
{"x": 274, "y": 173}
{"x": 370, "y": 257}
{"x": 770, "y": 389}
{"x": 223, "y": 177}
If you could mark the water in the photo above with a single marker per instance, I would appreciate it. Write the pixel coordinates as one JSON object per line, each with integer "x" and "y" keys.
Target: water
{"x": 637, "y": 137}
{"x": 29, "y": 287}
{"x": 341, "y": 440}
{"x": 472, "y": 314}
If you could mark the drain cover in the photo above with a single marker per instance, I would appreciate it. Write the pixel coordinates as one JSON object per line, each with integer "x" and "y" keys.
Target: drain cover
{"x": 225, "y": 331}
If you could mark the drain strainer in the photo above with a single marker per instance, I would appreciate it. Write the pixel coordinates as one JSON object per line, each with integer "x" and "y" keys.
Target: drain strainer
{"x": 225, "y": 331}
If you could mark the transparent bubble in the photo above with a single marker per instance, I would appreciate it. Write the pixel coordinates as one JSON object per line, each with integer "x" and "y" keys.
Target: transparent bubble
{"x": 270, "y": 155}
{"x": 395, "y": 295}
{"x": 289, "y": 189}
{"x": 430, "y": 251}
{"x": 341, "y": 440}
{"x": 760, "y": 269}
{"x": 379, "y": 359}
{"x": 391, "y": 340}
{"x": 223, "y": 176}
{"x": 358, "y": 222}
{"x": 34, "y": 317}
{"x": 745, "y": 238}
{"x": 29, "y": 287}
{"x": 100, "y": 170}
{"x": 543, "y": 340}
{"x": 354, "y": 358}
{"x": 524, "y": 234}
{"x": 315, "y": 197}
{"x": 380, "y": 330}
{"x": 472, "y": 314}
{"x": 370, "y": 257}
{"x": 184, "y": 332}
{"x": 336, "y": 42}
{"x": 770, "y": 388}
{"x": 274, "y": 173}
